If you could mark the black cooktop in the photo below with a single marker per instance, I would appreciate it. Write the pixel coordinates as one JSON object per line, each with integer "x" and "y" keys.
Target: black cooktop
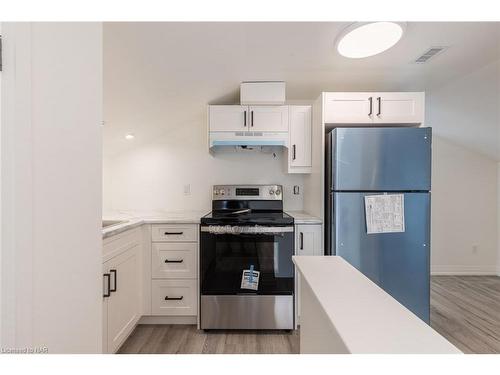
{"x": 226, "y": 217}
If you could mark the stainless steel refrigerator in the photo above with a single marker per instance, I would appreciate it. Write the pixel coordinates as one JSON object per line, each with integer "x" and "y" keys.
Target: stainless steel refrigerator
{"x": 377, "y": 161}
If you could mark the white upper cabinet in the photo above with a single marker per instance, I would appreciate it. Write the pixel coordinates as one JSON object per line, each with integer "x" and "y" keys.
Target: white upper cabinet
{"x": 399, "y": 107}
{"x": 348, "y": 107}
{"x": 269, "y": 118}
{"x": 228, "y": 118}
{"x": 299, "y": 153}
{"x": 234, "y": 118}
{"x": 374, "y": 107}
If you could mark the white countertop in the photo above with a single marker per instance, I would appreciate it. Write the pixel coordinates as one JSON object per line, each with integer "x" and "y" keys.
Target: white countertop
{"x": 137, "y": 218}
{"x": 302, "y": 217}
{"x": 367, "y": 319}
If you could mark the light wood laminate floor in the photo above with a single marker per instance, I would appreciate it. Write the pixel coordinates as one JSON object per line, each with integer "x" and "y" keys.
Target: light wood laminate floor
{"x": 186, "y": 339}
{"x": 464, "y": 309}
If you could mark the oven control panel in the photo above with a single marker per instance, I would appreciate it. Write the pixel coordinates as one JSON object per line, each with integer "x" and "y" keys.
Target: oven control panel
{"x": 247, "y": 192}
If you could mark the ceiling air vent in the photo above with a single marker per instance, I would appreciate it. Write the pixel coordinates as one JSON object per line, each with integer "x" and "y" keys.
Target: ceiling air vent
{"x": 431, "y": 52}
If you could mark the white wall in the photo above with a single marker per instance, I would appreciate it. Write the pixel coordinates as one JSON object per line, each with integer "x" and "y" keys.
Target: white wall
{"x": 51, "y": 187}
{"x": 464, "y": 115}
{"x": 152, "y": 176}
{"x": 464, "y": 210}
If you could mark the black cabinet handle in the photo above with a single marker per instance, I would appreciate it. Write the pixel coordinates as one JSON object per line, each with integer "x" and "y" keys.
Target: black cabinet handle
{"x": 115, "y": 283}
{"x": 251, "y": 116}
{"x": 108, "y": 292}
{"x": 245, "y": 118}
{"x": 167, "y": 298}
{"x": 294, "y": 153}
{"x": 301, "y": 241}
{"x": 371, "y": 106}
{"x": 174, "y": 261}
{"x": 174, "y": 233}
{"x": 379, "y": 100}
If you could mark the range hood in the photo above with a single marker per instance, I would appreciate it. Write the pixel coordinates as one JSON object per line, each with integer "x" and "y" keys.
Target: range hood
{"x": 248, "y": 139}
{"x": 233, "y": 125}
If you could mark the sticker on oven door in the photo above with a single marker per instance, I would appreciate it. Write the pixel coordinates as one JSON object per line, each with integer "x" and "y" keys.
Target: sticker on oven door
{"x": 250, "y": 279}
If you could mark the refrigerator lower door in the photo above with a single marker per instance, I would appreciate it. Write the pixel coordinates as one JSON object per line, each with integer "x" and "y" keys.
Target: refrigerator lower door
{"x": 398, "y": 262}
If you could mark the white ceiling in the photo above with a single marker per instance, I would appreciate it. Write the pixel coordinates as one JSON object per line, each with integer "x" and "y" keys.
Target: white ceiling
{"x": 159, "y": 73}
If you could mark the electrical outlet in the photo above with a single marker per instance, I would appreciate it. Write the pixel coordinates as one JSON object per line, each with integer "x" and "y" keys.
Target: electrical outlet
{"x": 187, "y": 189}
{"x": 296, "y": 190}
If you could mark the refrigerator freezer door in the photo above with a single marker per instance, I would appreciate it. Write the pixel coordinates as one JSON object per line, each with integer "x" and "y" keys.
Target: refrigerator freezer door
{"x": 380, "y": 159}
{"x": 397, "y": 262}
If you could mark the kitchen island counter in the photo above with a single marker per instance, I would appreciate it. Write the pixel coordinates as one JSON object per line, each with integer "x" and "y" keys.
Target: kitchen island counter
{"x": 342, "y": 311}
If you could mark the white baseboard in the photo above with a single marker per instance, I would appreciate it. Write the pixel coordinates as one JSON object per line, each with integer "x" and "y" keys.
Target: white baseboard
{"x": 149, "y": 319}
{"x": 465, "y": 270}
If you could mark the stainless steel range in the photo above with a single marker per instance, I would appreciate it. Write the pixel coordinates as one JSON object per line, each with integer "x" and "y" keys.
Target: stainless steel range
{"x": 246, "y": 268}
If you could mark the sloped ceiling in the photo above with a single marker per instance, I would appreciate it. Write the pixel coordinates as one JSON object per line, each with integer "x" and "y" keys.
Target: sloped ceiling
{"x": 159, "y": 73}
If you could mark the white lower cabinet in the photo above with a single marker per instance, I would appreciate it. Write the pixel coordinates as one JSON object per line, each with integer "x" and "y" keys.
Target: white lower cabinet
{"x": 174, "y": 297}
{"x": 308, "y": 241}
{"x": 174, "y": 270}
{"x": 122, "y": 296}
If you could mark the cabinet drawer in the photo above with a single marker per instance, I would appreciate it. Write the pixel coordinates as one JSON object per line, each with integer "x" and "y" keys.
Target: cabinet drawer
{"x": 174, "y": 297}
{"x": 173, "y": 260}
{"x": 174, "y": 232}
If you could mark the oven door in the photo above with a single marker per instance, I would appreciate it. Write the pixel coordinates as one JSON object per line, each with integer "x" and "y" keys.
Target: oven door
{"x": 225, "y": 254}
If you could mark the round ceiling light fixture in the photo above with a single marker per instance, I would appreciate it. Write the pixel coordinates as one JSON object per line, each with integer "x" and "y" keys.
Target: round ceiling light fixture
{"x": 364, "y": 39}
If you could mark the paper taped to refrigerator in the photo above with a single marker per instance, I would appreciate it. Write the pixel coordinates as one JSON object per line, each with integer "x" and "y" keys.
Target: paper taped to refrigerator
{"x": 385, "y": 213}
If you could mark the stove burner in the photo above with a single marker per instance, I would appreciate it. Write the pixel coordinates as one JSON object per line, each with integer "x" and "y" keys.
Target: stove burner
{"x": 248, "y": 218}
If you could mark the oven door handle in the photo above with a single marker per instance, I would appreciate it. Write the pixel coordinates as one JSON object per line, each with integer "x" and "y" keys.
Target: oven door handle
{"x": 250, "y": 235}
{"x": 256, "y": 230}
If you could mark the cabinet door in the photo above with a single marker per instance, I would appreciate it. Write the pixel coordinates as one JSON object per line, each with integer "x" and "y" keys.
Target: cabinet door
{"x": 106, "y": 295}
{"x": 349, "y": 107}
{"x": 123, "y": 305}
{"x": 269, "y": 118}
{"x": 300, "y": 136}
{"x": 308, "y": 239}
{"x": 307, "y": 242}
{"x": 399, "y": 107}
{"x": 228, "y": 118}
